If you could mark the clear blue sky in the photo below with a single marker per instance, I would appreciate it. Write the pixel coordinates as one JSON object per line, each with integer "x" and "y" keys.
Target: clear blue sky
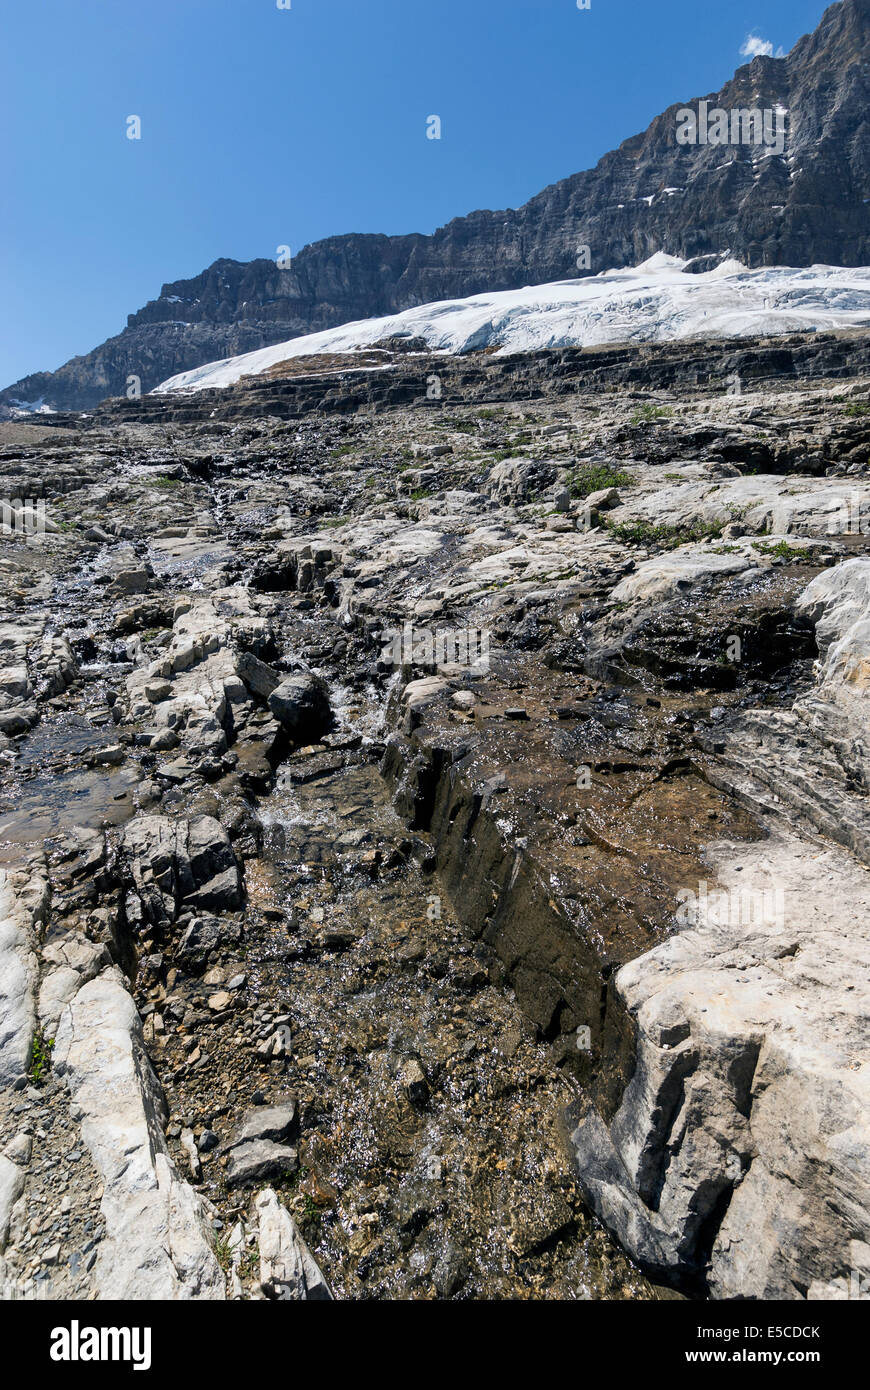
{"x": 263, "y": 127}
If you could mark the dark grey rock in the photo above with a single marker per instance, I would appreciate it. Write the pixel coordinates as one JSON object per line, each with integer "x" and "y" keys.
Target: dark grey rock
{"x": 259, "y": 1161}
{"x": 275, "y": 1122}
{"x": 302, "y": 706}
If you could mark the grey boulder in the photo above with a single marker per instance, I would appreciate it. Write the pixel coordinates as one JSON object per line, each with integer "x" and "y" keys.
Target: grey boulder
{"x": 301, "y": 705}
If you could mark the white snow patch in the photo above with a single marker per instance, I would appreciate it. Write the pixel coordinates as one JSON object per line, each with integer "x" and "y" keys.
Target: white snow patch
{"x": 657, "y": 301}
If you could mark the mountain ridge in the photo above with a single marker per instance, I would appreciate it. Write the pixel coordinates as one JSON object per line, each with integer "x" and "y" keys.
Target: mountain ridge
{"x": 809, "y": 205}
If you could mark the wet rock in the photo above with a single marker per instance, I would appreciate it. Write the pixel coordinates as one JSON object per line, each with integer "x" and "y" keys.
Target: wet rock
{"x": 537, "y": 1219}
{"x": 203, "y": 936}
{"x": 300, "y": 703}
{"x": 416, "y": 1204}
{"x": 412, "y": 1079}
{"x": 176, "y": 862}
{"x": 450, "y": 1272}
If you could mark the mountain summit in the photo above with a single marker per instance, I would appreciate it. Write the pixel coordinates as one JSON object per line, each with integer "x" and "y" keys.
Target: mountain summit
{"x": 788, "y": 187}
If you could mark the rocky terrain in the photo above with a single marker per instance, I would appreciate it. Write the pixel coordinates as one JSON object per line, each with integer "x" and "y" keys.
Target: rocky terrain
{"x": 800, "y": 202}
{"x": 433, "y": 833}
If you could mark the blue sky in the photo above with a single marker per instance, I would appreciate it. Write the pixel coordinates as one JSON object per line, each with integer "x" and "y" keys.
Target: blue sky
{"x": 264, "y": 127}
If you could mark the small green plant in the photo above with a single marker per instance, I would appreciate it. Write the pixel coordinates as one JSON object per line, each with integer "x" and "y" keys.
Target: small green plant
{"x": 595, "y": 477}
{"x": 668, "y": 537}
{"x": 311, "y": 1213}
{"x": 40, "y": 1057}
{"x": 646, "y": 413}
{"x": 223, "y": 1251}
{"x": 419, "y": 493}
{"x": 858, "y": 408}
{"x": 163, "y": 482}
{"x": 783, "y": 551}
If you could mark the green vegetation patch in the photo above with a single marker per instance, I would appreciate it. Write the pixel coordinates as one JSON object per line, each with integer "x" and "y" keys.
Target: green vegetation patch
{"x": 660, "y": 534}
{"x": 40, "y": 1057}
{"x": 595, "y": 477}
{"x": 647, "y": 413}
{"x": 783, "y": 551}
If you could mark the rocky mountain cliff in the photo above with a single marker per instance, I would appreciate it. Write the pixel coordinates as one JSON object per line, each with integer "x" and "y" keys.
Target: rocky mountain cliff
{"x": 808, "y": 204}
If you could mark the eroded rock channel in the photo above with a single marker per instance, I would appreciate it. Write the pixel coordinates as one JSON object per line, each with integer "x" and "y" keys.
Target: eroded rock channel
{"x": 434, "y": 845}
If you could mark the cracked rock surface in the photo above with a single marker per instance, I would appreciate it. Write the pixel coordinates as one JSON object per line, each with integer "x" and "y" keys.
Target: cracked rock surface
{"x": 433, "y": 839}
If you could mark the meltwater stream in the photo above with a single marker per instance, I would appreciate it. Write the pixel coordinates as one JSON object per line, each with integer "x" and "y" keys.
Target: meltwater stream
{"x": 432, "y": 1160}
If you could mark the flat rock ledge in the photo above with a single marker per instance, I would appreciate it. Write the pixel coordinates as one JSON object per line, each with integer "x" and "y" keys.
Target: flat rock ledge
{"x": 739, "y": 1154}
{"x": 157, "y": 1243}
{"x": 23, "y": 902}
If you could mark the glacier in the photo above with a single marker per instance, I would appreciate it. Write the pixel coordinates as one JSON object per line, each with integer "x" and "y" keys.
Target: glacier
{"x": 657, "y": 301}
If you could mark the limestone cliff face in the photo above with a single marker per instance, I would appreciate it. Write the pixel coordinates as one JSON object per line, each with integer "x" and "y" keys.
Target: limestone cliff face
{"x": 808, "y": 204}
